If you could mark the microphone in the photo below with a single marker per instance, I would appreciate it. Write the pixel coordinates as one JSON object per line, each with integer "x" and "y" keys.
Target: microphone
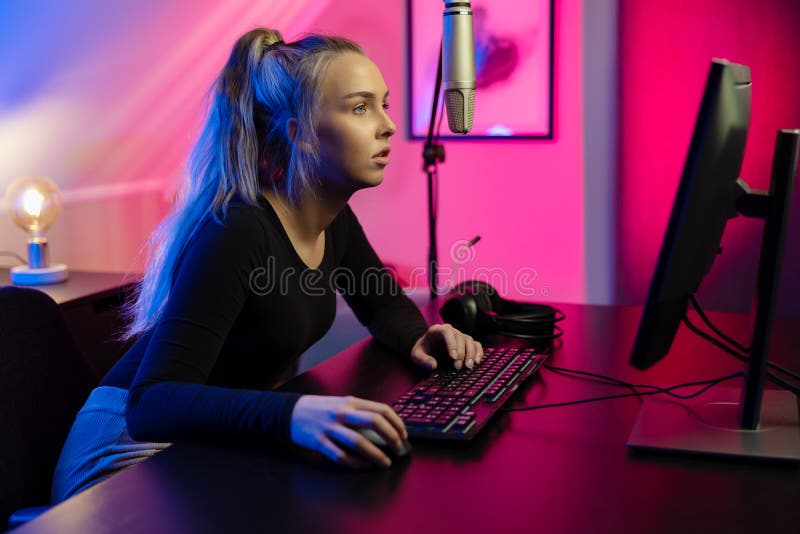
{"x": 458, "y": 65}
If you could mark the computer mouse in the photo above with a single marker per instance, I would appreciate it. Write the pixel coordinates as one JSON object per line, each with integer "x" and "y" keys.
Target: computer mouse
{"x": 382, "y": 444}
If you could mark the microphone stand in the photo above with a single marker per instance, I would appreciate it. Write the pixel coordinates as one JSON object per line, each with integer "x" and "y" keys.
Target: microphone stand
{"x": 431, "y": 154}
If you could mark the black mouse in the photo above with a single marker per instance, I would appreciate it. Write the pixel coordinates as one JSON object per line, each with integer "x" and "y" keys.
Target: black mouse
{"x": 382, "y": 444}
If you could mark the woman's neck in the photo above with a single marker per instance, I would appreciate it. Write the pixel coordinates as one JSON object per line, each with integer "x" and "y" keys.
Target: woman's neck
{"x": 308, "y": 221}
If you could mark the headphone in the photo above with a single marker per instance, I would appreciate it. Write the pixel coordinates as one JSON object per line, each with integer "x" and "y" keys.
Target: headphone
{"x": 476, "y": 309}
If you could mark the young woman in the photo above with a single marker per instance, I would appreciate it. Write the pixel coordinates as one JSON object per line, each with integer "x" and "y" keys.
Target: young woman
{"x": 243, "y": 274}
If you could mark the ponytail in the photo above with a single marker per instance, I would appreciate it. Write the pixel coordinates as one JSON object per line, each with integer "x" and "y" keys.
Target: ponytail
{"x": 244, "y": 147}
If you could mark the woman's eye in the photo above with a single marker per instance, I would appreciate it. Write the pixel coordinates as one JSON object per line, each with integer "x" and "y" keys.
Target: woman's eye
{"x": 362, "y": 108}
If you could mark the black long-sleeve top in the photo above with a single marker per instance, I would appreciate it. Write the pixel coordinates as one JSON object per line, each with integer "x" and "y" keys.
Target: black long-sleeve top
{"x": 243, "y": 306}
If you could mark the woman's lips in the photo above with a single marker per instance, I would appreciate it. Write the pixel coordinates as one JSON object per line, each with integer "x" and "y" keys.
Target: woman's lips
{"x": 382, "y": 157}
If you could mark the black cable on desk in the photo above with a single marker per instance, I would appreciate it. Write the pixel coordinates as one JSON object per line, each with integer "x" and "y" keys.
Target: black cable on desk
{"x": 656, "y": 390}
{"x": 730, "y": 349}
{"x": 593, "y": 376}
{"x": 13, "y": 255}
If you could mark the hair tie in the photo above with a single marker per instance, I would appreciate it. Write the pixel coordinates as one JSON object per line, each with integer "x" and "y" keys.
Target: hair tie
{"x": 273, "y": 46}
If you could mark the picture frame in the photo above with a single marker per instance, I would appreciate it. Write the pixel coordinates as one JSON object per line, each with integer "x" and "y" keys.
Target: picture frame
{"x": 514, "y": 47}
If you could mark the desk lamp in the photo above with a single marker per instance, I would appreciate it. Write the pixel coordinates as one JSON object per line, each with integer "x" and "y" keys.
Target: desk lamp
{"x": 34, "y": 203}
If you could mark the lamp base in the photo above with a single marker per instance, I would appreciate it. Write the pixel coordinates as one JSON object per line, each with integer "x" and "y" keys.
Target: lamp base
{"x": 23, "y": 275}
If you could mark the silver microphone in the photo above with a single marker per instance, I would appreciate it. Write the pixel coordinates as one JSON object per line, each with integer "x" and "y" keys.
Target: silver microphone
{"x": 458, "y": 65}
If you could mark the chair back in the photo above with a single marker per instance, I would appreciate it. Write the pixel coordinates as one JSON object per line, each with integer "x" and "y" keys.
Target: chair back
{"x": 44, "y": 381}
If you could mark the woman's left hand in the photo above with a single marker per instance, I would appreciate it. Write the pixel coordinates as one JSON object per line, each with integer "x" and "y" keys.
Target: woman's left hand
{"x": 444, "y": 342}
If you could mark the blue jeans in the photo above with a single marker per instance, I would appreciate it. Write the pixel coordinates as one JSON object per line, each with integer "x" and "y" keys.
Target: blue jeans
{"x": 98, "y": 445}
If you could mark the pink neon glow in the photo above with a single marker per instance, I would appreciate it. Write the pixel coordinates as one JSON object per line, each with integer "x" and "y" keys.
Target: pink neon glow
{"x": 524, "y": 198}
{"x": 121, "y": 101}
{"x": 110, "y": 105}
{"x": 665, "y": 51}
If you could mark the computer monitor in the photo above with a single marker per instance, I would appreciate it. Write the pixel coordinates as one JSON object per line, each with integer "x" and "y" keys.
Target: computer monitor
{"x": 705, "y": 200}
{"x": 711, "y": 192}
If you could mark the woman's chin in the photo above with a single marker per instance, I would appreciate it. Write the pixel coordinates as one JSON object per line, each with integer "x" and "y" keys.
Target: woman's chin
{"x": 356, "y": 183}
{"x": 373, "y": 180}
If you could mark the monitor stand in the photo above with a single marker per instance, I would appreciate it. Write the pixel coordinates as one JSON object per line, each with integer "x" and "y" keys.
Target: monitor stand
{"x": 709, "y": 425}
{"x": 749, "y": 422}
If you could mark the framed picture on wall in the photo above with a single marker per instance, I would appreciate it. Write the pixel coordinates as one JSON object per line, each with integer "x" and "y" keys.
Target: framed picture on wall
{"x": 514, "y": 68}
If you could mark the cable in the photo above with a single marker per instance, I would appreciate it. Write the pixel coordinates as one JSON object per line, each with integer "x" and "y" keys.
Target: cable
{"x": 608, "y": 379}
{"x": 708, "y": 385}
{"x": 589, "y": 376}
{"x": 771, "y": 376}
{"x": 13, "y": 255}
{"x": 701, "y": 313}
{"x": 705, "y": 335}
{"x": 596, "y": 377}
{"x": 784, "y": 370}
{"x": 741, "y": 355}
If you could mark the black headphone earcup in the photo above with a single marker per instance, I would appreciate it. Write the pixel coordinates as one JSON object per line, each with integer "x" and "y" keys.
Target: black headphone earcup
{"x": 471, "y": 308}
{"x": 461, "y": 311}
{"x": 485, "y": 293}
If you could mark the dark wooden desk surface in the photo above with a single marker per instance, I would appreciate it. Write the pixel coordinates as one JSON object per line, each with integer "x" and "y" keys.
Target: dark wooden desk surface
{"x": 555, "y": 470}
{"x": 80, "y": 287}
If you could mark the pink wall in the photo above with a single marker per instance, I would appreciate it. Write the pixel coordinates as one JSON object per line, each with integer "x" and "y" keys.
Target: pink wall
{"x": 524, "y": 198}
{"x": 109, "y": 103}
{"x": 106, "y": 99}
{"x": 665, "y": 49}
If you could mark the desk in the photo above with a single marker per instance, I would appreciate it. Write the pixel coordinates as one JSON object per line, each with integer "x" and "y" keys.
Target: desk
{"x": 556, "y": 470}
{"x": 90, "y": 302}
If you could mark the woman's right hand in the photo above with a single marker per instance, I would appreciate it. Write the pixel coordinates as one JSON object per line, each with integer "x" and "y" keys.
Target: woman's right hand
{"x": 326, "y": 425}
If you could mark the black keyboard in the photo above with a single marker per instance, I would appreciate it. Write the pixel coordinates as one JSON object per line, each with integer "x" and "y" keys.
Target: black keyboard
{"x": 456, "y": 405}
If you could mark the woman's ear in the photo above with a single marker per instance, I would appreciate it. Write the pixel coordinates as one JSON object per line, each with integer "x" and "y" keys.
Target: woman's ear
{"x": 291, "y": 133}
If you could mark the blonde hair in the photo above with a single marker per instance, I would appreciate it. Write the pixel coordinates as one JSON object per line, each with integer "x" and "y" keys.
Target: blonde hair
{"x": 244, "y": 147}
